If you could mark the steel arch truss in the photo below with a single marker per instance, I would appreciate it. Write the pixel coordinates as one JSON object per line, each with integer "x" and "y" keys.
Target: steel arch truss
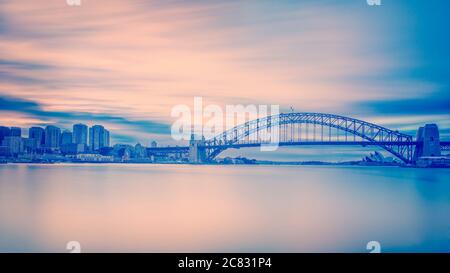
{"x": 396, "y": 143}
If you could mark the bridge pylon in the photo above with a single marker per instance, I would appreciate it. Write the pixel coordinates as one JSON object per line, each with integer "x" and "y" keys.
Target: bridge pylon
{"x": 428, "y": 142}
{"x": 197, "y": 151}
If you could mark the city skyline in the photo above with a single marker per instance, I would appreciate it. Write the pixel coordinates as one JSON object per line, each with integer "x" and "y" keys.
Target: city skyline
{"x": 50, "y": 139}
{"x": 287, "y": 129}
{"x": 76, "y": 137}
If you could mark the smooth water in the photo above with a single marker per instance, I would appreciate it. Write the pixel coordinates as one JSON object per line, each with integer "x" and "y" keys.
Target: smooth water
{"x": 174, "y": 208}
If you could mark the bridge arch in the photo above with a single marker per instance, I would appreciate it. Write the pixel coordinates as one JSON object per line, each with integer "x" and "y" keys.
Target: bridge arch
{"x": 394, "y": 142}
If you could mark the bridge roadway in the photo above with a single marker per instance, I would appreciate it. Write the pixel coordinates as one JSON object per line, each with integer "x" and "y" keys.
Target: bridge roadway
{"x": 445, "y": 145}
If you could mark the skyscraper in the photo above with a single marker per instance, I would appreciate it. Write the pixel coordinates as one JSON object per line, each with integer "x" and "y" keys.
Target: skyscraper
{"x": 4, "y": 132}
{"x": 52, "y": 137}
{"x": 106, "y": 139}
{"x": 66, "y": 138}
{"x": 38, "y": 135}
{"x": 80, "y": 134}
{"x": 98, "y": 137}
{"x": 16, "y": 131}
{"x": 14, "y": 144}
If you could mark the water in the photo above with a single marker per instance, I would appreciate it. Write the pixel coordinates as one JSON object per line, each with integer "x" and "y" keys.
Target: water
{"x": 171, "y": 208}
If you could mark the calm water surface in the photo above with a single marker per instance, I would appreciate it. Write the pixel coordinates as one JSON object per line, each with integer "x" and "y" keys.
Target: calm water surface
{"x": 160, "y": 208}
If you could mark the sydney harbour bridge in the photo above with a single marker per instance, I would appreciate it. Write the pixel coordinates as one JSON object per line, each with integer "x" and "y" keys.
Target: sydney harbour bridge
{"x": 297, "y": 129}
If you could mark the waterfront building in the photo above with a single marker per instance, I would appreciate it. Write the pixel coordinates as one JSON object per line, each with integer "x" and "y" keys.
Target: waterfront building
{"x": 38, "y": 135}
{"x": 4, "y": 151}
{"x": 16, "y": 131}
{"x": 4, "y": 132}
{"x": 106, "y": 138}
{"x": 67, "y": 145}
{"x": 433, "y": 162}
{"x": 14, "y": 145}
{"x": 29, "y": 145}
{"x": 66, "y": 138}
{"x": 80, "y": 134}
{"x": 98, "y": 137}
{"x": 153, "y": 144}
{"x": 94, "y": 158}
{"x": 73, "y": 148}
{"x": 52, "y": 137}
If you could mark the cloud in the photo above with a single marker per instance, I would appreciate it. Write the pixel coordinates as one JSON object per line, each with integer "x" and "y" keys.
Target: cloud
{"x": 17, "y": 104}
{"x": 274, "y": 53}
{"x": 34, "y": 109}
{"x": 127, "y": 63}
{"x": 13, "y": 64}
{"x": 437, "y": 103}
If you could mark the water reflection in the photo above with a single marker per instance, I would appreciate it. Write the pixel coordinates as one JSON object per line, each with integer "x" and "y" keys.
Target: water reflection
{"x": 161, "y": 208}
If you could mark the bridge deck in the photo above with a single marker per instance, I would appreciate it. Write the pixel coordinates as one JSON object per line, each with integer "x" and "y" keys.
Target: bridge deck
{"x": 302, "y": 143}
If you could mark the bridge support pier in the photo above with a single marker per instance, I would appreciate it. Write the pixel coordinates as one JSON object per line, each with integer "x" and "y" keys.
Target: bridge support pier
{"x": 197, "y": 153}
{"x": 429, "y": 143}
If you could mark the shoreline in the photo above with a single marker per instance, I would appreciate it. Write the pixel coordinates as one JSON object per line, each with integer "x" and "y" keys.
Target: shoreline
{"x": 263, "y": 163}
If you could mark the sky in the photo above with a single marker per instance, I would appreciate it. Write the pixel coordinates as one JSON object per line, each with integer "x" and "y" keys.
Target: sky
{"x": 126, "y": 64}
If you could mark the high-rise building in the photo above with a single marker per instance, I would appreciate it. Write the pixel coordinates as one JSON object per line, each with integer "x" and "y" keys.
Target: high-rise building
{"x": 29, "y": 145}
{"x": 4, "y": 132}
{"x": 14, "y": 144}
{"x": 153, "y": 144}
{"x": 66, "y": 138}
{"x": 16, "y": 131}
{"x": 94, "y": 137}
{"x": 52, "y": 137}
{"x": 73, "y": 148}
{"x": 98, "y": 137}
{"x": 38, "y": 135}
{"x": 80, "y": 134}
{"x": 106, "y": 138}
